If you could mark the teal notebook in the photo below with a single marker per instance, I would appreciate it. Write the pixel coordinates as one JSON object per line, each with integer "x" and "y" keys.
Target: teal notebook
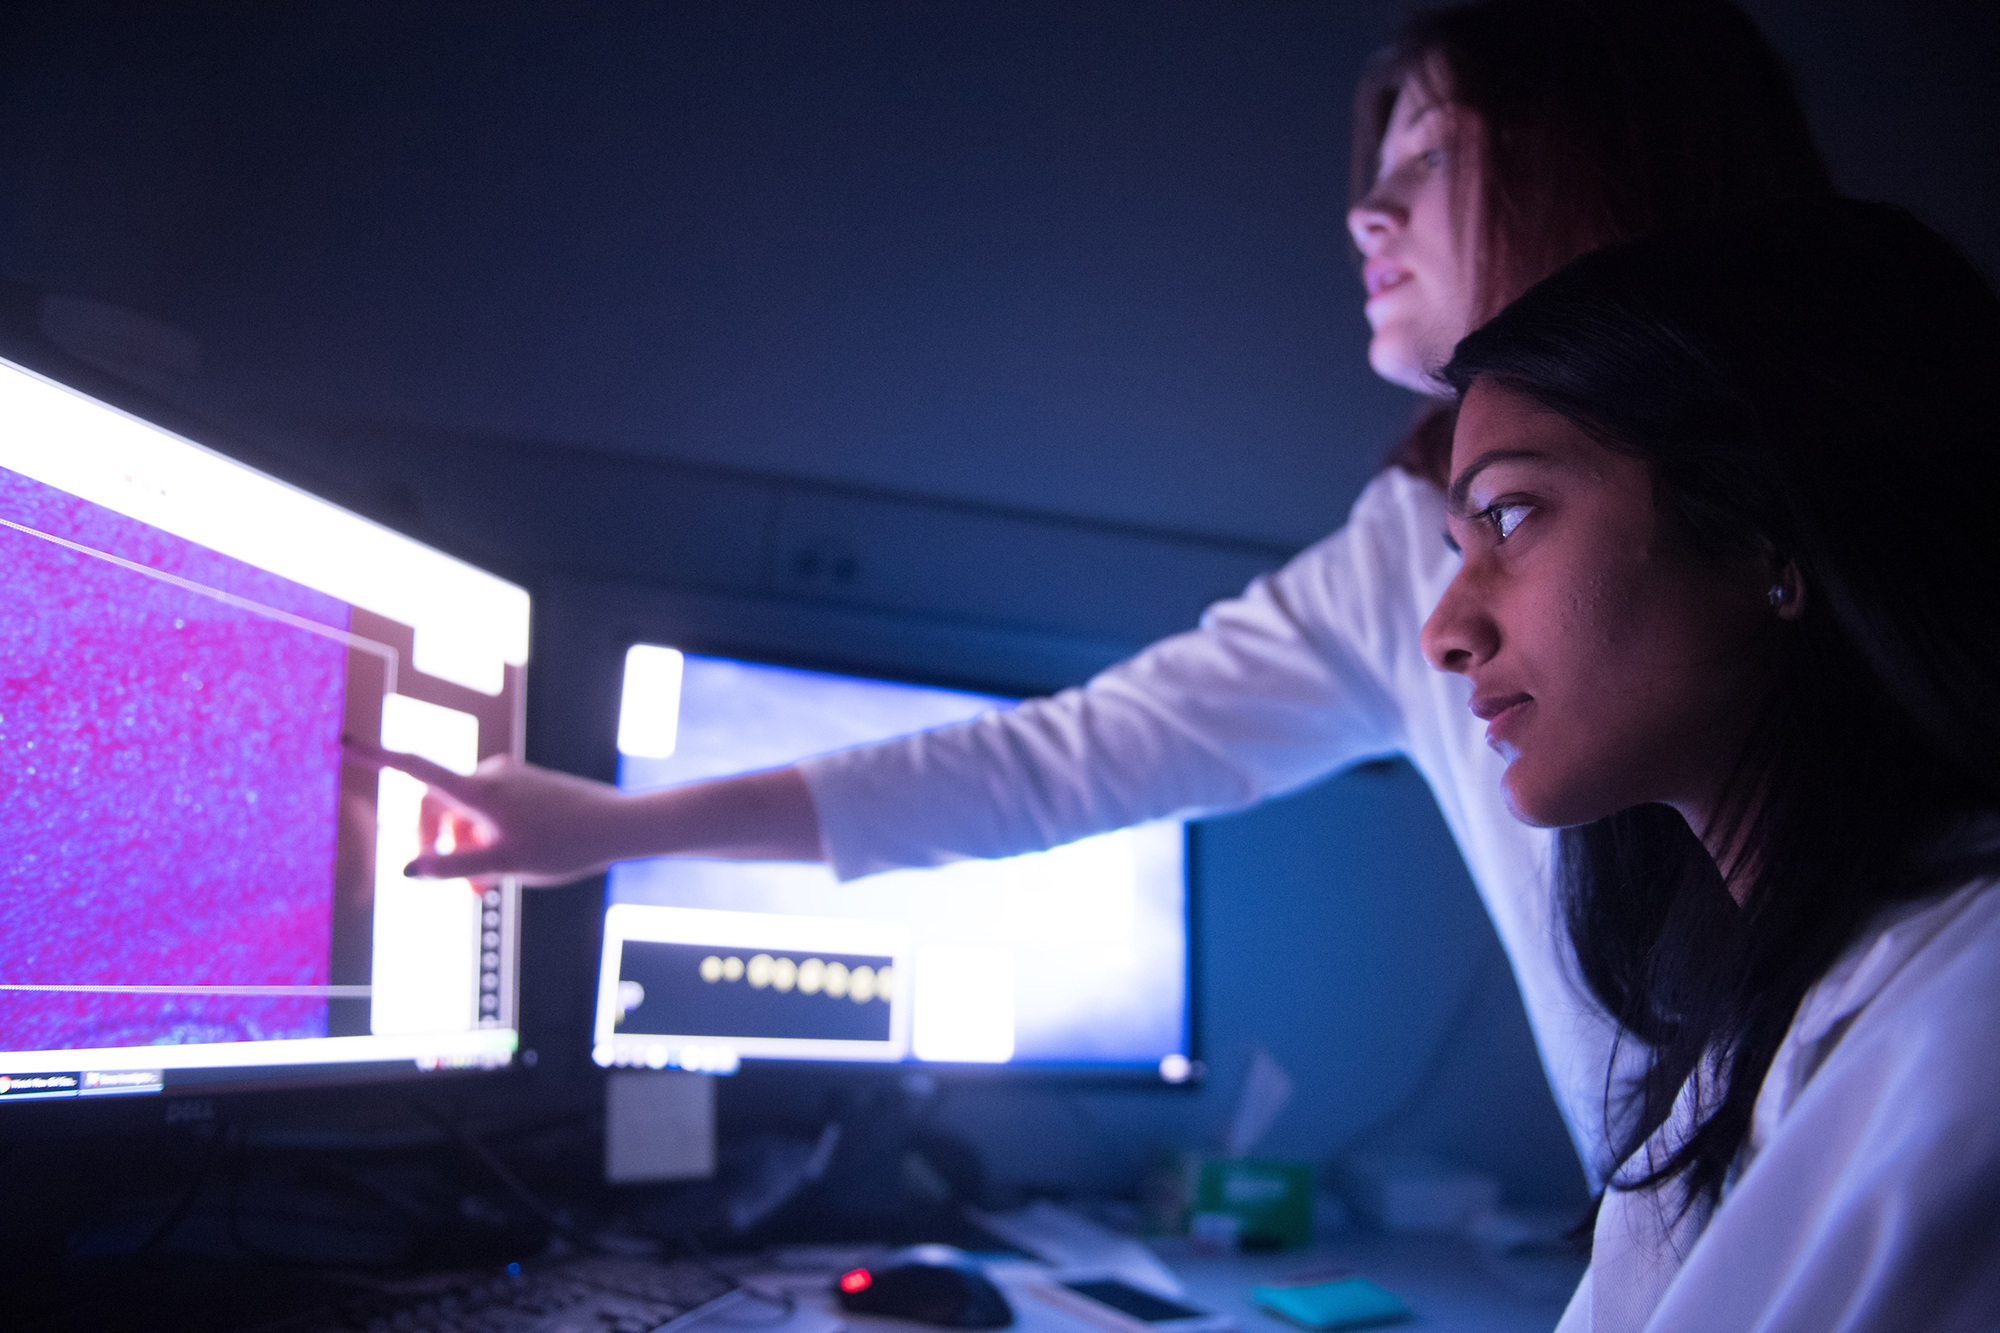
{"x": 1352, "y": 1302}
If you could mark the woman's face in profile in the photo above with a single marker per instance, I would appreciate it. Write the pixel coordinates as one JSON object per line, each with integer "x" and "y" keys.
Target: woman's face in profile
{"x": 1612, "y": 666}
{"x": 1415, "y": 232}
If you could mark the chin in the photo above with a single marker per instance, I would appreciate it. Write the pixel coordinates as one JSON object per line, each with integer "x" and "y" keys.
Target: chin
{"x": 1526, "y": 814}
{"x": 1393, "y": 355}
{"x": 1538, "y": 807}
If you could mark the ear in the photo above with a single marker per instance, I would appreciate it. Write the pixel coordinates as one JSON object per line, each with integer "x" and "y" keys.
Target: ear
{"x": 1788, "y": 592}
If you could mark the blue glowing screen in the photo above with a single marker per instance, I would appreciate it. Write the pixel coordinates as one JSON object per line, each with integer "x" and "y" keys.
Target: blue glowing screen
{"x": 1072, "y": 957}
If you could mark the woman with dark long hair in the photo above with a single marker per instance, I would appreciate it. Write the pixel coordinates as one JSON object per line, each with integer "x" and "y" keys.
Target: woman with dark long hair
{"x": 1725, "y": 498}
{"x": 1493, "y": 141}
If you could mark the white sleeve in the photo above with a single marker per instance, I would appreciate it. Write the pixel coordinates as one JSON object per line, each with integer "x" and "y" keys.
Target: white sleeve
{"x": 1276, "y": 687}
{"x": 1875, "y": 1207}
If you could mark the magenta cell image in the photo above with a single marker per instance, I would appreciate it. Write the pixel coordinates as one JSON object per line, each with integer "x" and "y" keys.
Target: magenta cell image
{"x": 168, "y": 804}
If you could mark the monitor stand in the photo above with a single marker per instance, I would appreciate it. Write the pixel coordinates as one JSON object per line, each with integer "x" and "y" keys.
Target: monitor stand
{"x": 890, "y": 1178}
{"x": 876, "y": 1173}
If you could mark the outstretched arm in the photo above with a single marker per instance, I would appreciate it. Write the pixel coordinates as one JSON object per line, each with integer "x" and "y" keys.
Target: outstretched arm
{"x": 549, "y": 827}
{"x": 1276, "y": 688}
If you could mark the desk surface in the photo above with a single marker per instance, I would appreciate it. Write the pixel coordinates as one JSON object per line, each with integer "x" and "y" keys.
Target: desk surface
{"x": 1449, "y": 1283}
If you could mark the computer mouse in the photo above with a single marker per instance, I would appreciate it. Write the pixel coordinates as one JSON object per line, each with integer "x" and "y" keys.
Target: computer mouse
{"x": 927, "y": 1284}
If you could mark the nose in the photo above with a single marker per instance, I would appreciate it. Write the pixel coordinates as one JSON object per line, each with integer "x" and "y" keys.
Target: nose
{"x": 1375, "y": 219}
{"x": 1460, "y": 635}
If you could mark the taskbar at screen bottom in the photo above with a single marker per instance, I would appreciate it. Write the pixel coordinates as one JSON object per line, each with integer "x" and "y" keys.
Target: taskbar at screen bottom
{"x": 141, "y": 1071}
{"x": 722, "y": 1055}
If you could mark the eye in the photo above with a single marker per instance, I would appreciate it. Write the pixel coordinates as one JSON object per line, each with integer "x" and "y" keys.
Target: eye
{"x": 1431, "y": 158}
{"x": 1504, "y": 518}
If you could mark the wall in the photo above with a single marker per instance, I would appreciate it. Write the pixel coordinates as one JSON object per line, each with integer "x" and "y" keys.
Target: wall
{"x": 1085, "y": 259}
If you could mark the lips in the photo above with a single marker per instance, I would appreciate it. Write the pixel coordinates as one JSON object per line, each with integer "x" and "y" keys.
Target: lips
{"x": 1381, "y": 275}
{"x": 1489, "y": 707}
{"x": 1500, "y": 712}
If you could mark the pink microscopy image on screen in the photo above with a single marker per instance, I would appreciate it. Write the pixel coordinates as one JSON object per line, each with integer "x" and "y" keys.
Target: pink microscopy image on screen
{"x": 168, "y": 802}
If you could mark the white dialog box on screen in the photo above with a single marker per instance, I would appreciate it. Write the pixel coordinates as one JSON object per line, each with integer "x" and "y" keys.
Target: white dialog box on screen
{"x": 965, "y": 1004}
{"x": 649, "y": 705}
{"x": 426, "y": 970}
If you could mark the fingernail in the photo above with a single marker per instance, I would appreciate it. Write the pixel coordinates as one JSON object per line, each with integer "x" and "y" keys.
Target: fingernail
{"x": 410, "y": 871}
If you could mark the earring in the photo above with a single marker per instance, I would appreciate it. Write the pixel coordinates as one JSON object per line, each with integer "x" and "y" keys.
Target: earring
{"x": 1779, "y": 593}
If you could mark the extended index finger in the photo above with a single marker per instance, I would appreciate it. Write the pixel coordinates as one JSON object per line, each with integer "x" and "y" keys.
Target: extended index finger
{"x": 437, "y": 776}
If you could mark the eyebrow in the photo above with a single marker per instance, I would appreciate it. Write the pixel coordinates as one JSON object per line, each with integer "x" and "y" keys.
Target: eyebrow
{"x": 1381, "y": 162}
{"x": 1462, "y": 483}
{"x": 1430, "y": 108}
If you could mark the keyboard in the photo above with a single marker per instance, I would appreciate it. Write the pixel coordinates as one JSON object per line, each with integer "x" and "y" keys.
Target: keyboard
{"x": 585, "y": 1294}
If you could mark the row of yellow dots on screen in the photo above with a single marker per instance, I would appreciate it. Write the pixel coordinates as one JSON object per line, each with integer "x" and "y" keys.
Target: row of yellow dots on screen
{"x": 860, "y": 984}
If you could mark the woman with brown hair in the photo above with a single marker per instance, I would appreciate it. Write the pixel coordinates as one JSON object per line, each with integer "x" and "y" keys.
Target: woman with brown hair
{"x": 1494, "y": 141}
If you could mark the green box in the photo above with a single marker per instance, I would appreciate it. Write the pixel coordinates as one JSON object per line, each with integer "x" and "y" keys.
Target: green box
{"x": 1270, "y": 1198}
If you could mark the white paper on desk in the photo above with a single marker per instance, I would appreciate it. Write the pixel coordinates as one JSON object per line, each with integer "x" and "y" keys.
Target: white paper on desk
{"x": 1266, "y": 1089}
{"x": 1073, "y": 1244}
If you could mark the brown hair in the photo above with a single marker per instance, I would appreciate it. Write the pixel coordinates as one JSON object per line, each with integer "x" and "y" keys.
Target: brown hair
{"x": 1600, "y": 121}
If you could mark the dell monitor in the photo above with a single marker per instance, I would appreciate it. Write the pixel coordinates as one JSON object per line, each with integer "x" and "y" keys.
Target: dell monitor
{"x": 199, "y": 890}
{"x": 1071, "y": 961}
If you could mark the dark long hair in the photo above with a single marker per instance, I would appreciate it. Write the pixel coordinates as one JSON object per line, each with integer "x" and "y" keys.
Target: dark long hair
{"x": 1603, "y": 120}
{"x": 1809, "y": 381}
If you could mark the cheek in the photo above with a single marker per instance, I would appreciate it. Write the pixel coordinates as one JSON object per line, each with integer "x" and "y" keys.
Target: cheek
{"x": 1591, "y": 663}
{"x": 1638, "y": 694}
{"x": 1434, "y": 240}
{"x": 1602, "y": 625}
{"x": 1576, "y": 630}
{"x": 1441, "y": 226}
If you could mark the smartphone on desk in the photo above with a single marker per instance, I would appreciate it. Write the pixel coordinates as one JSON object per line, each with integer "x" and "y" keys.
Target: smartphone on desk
{"x": 1119, "y": 1307}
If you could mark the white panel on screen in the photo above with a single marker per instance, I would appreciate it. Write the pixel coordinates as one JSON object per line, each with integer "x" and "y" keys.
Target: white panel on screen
{"x": 649, "y": 706}
{"x": 426, "y": 964}
{"x": 965, "y": 1005}
{"x": 441, "y": 735}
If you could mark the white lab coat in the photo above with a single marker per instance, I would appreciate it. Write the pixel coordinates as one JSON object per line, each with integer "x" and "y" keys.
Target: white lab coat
{"x": 1312, "y": 668}
{"x": 1867, "y": 1199}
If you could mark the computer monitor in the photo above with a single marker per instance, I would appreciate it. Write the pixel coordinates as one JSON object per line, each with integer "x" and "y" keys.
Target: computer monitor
{"x": 1074, "y": 960}
{"x": 200, "y": 891}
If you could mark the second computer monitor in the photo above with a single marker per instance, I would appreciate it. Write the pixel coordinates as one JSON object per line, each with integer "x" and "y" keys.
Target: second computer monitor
{"x": 1073, "y": 959}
